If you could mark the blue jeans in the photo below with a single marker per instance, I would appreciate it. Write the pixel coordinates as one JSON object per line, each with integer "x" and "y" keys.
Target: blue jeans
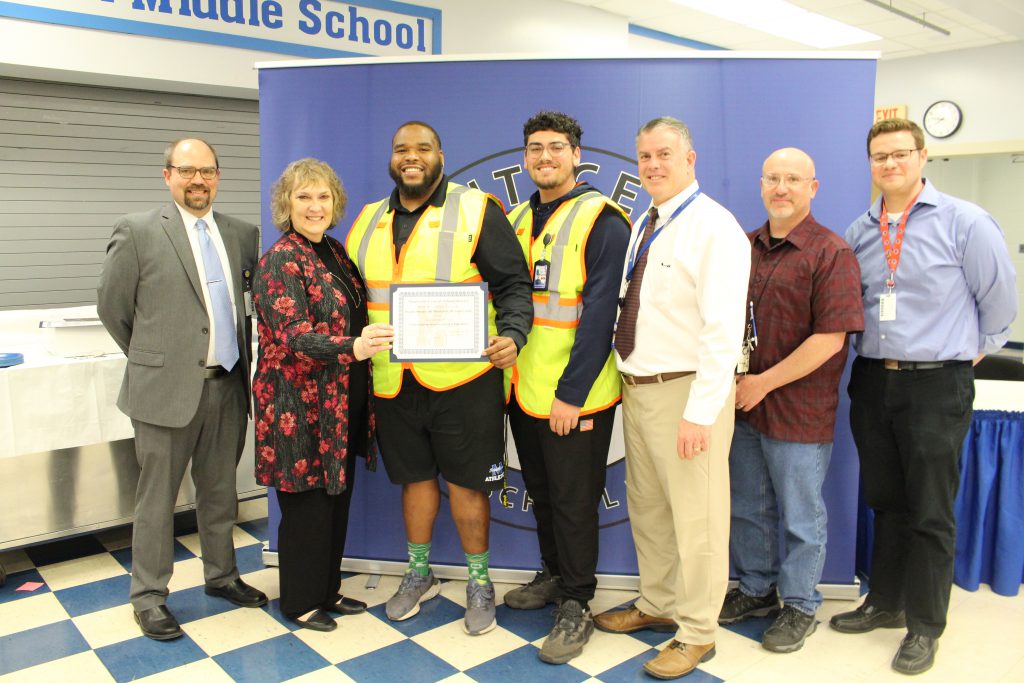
{"x": 772, "y": 479}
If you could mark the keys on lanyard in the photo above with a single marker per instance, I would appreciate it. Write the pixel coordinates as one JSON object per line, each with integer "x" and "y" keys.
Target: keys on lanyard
{"x": 749, "y": 343}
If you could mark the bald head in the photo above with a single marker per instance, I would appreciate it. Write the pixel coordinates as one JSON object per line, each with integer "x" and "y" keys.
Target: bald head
{"x": 787, "y": 187}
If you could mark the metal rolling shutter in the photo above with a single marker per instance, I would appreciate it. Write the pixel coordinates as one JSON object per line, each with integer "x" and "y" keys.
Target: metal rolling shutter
{"x": 73, "y": 158}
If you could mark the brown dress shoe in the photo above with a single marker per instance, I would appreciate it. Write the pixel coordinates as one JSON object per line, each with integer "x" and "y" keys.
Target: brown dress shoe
{"x": 678, "y": 659}
{"x": 632, "y": 619}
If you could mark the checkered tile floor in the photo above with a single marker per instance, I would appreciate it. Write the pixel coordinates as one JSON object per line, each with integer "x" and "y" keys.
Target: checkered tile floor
{"x": 77, "y": 626}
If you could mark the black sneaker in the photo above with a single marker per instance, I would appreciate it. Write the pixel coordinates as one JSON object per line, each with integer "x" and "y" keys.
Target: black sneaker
{"x": 789, "y": 631}
{"x": 543, "y": 589}
{"x": 739, "y": 606}
{"x": 573, "y": 626}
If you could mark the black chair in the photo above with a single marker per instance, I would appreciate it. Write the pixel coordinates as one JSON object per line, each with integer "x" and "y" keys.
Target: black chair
{"x": 1005, "y": 368}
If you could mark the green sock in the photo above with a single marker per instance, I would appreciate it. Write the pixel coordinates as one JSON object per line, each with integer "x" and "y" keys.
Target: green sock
{"x": 477, "y": 563}
{"x": 419, "y": 558}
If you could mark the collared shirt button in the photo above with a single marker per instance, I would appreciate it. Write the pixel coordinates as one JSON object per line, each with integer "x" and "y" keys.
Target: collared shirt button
{"x": 206, "y": 331}
{"x": 202, "y": 363}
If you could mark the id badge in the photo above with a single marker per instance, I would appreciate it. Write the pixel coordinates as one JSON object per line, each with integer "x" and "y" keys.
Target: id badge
{"x": 540, "y": 275}
{"x": 743, "y": 366}
{"x": 887, "y": 307}
{"x": 250, "y": 310}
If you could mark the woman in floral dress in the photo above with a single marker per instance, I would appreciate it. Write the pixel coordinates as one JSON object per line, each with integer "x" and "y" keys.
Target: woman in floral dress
{"x": 312, "y": 390}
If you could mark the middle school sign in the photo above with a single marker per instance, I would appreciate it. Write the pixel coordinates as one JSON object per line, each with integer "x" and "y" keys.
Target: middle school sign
{"x": 306, "y": 28}
{"x": 739, "y": 108}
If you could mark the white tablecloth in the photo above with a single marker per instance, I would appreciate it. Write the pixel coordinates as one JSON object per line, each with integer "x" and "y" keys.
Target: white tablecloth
{"x": 52, "y": 402}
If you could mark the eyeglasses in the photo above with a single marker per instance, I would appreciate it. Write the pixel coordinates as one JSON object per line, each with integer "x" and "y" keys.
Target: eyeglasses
{"x": 900, "y": 156}
{"x": 189, "y": 172}
{"x": 535, "y": 149}
{"x": 773, "y": 180}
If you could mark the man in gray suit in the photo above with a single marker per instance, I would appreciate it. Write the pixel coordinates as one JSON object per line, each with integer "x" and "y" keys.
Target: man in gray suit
{"x": 173, "y": 294}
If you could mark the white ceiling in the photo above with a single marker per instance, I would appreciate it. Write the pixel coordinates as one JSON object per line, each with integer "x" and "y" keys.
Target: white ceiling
{"x": 971, "y": 23}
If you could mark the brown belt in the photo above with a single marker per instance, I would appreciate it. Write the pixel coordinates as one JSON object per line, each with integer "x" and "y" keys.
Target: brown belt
{"x": 890, "y": 364}
{"x": 215, "y": 371}
{"x": 634, "y": 380}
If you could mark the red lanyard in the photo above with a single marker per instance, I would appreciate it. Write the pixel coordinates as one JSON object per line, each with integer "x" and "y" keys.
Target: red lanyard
{"x": 892, "y": 247}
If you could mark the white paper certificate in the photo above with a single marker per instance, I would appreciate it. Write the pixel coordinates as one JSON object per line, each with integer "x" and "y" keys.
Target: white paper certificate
{"x": 439, "y": 322}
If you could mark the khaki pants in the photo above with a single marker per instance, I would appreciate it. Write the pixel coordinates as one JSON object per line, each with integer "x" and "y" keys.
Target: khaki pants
{"x": 679, "y": 509}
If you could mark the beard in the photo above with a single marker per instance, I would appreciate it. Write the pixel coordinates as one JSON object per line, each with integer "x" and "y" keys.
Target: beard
{"x": 197, "y": 203}
{"x": 420, "y": 189}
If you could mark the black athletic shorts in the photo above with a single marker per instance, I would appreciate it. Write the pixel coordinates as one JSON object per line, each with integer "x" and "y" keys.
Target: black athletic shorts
{"x": 459, "y": 433}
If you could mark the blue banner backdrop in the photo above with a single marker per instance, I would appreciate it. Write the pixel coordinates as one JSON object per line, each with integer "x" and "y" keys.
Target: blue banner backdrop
{"x": 739, "y": 110}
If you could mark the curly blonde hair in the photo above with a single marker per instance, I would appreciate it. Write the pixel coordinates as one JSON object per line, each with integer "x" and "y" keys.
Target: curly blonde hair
{"x": 300, "y": 174}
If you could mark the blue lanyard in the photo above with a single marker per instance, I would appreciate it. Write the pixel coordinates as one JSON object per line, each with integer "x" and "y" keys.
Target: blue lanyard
{"x": 635, "y": 255}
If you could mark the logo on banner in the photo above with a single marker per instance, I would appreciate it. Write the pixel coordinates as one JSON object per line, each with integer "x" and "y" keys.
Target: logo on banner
{"x": 502, "y": 174}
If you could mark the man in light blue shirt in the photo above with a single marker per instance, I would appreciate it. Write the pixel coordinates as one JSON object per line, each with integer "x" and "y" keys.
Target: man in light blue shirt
{"x": 939, "y": 293}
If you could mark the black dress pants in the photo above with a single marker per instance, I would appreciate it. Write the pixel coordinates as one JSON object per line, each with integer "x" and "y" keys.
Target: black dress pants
{"x": 909, "y": 427}
{"x": 310, "y": 544}
{"x": 565, "y": 478}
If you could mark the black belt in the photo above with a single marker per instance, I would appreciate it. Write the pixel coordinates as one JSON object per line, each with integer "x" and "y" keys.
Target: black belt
{"x": 633, "y": 380}
{"x": 890, "y": 364}
{"x": 215, "y": 371}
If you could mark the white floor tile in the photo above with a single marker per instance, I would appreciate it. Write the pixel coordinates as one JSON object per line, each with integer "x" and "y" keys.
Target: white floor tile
{"x": 205, "y": 670}
{"x": 329, "y": 674}
{"x": 81, "y": 571}
{"x": 240, "y": 538}
{"x": 356, "y": 635}
{"x": 108, "y": 626}
{"x": 234, "y": 629}
{"x": 255, "y": 508}
{"x": 605, "y": 650}
{"x": 85, "y": 667}
{"x": 26, "y": 613}
{"x": 187, "y": 574}
{"x": 450, "y": 643}
{"x": 15, "y": 561}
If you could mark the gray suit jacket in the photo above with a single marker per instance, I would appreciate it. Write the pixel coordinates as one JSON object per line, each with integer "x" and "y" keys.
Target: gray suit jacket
{"x": 151, "y": 302}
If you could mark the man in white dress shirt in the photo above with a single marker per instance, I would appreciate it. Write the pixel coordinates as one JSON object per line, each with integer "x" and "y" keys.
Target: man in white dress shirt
{"x": 677, "y": 343}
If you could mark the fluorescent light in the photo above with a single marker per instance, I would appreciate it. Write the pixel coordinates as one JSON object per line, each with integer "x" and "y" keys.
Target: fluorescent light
{"x": 782, "y": 19}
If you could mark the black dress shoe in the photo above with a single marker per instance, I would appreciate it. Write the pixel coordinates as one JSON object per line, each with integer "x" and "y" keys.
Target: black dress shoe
{"x": 867, "y": 618}
{"x": 158, "y": 623}
{"x": 239, "y": 593}
{"x": 317, "y": 621}
{"x": 916, "y": 654}
{"x": 346, "y": 606}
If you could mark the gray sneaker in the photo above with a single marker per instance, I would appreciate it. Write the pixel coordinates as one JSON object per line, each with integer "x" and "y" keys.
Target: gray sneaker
{"x": 573, "y": 626}
{"x": 543, "y": 589}
{"x": 479, "y": 608}
{"x": 414, "y": 589}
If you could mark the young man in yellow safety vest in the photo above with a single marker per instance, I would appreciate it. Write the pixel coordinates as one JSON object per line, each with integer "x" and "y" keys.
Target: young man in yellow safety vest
{"x": 564, "y": 386}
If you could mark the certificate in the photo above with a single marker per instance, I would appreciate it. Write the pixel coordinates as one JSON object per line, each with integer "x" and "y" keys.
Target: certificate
{"x": 439, "y": 322}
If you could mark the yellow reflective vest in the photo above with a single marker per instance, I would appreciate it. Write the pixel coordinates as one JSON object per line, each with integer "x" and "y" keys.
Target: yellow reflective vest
{"x": 439, "y": 250}
{"x": 556, "y": 312}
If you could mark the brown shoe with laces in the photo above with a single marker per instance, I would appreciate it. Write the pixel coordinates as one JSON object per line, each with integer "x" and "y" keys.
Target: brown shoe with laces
{"x": 678, "y": 659}
{"x": 630, "y": 620}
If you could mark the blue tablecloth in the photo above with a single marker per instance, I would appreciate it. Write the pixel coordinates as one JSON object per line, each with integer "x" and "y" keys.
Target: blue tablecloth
{"x": 989, "y": 507}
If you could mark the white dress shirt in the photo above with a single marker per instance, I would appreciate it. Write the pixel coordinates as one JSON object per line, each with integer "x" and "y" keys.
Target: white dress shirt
{"x": 692, "y": 300}
{"x": 193, "y": 240}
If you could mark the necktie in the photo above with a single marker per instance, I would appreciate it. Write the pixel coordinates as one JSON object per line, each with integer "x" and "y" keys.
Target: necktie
{"x": 625, "y": 333}
{"x": 226, "y": 347}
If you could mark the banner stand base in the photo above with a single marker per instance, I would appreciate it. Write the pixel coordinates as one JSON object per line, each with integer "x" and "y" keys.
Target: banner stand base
{"x": 625, "y": 582}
